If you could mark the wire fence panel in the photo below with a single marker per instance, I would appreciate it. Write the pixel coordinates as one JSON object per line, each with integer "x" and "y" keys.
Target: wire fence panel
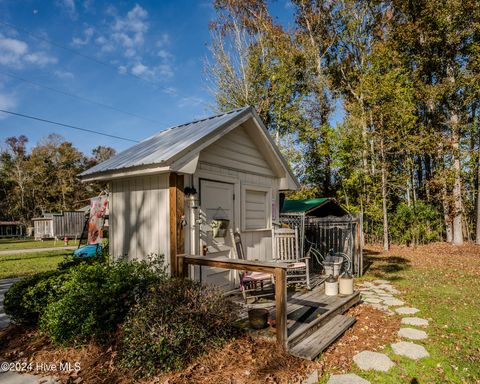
{"x": 329, "y": 235}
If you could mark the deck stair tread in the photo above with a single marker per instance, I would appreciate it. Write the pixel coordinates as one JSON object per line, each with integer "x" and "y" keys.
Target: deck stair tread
{"x": 337, "y": 307}
{"x": 310, "y": 347}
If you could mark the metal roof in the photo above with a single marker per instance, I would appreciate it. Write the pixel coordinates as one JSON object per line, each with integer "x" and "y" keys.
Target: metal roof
{"x": 301, "y": 206}
{"x": 165, "y": 145}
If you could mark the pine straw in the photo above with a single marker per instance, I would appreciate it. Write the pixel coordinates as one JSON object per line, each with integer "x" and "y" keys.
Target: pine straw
{"x": 248, "y": 359}
{"x": 372, "y": 331}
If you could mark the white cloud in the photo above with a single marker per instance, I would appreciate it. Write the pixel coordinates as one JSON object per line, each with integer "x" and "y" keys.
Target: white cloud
{"x": 64, "y": 75}
{"x": 8, "y": 102}
{"x": 16, "y": 53}
{"x": 69, "y": 7}
{"x": 129, "y": 31}
{"x": 127, "y": 35}
{"x": 87, "y": 37}
{"x": 190, "y": 101}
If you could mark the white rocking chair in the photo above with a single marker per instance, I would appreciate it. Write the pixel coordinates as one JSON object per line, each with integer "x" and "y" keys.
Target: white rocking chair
{"x": 285, "y": 250}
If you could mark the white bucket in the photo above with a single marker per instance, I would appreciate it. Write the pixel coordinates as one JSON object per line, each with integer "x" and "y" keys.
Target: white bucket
{"x": 331, "y": 288}
{"x": 345, "y": 284}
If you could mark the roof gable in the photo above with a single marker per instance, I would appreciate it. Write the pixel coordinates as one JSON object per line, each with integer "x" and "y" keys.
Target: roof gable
{"x": 177, "y": 148}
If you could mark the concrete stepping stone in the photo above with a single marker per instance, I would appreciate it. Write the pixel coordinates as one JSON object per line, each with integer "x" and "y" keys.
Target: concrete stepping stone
{"x": 372, "y": 300}
{"x": 349, "y": 378}
{"x": 411, "y": 350}
{"x": 381, "y": 281}
{"x": 373, "y": 360}
{"x": 379, "y": 291}
{"x": 383, "y": 308}
{"x": 393, "y": 291}
{"x": 419, "y": 322}
{"x": 412, "y": 333}
{"x": 406, "y": 310}
{"x": 393, "y": 302}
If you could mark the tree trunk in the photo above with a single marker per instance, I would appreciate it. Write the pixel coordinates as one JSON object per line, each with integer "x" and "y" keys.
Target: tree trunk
{"x": 386, "y": 244}
{"x": 457, "y": 186}
{"x": 477, "y": 237}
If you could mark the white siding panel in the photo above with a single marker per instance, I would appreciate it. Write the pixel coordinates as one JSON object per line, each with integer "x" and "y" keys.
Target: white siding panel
{"x": 237, "y": 151}
{"x": 140, "y": 222}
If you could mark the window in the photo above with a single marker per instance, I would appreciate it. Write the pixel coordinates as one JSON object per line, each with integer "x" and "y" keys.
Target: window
{"x": 256, "y": 208}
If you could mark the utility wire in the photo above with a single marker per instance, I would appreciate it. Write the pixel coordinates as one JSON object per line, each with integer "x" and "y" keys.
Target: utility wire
{"x": 66, "y": 125}
{"x": 78, "y": 97}
{"x": 87, "y": 57}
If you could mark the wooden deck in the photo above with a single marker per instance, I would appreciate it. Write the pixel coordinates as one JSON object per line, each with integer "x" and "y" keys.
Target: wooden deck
{"x": 307, "y": 322}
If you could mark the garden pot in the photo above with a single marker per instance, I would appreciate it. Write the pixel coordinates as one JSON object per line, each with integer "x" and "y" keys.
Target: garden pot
{"x": 331, "y": 286}
{"x": 258, "y": 318}
{"x": 345, "y": 284}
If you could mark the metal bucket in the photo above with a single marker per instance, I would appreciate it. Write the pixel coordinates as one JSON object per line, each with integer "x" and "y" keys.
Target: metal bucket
{"x": 333, "y": 266}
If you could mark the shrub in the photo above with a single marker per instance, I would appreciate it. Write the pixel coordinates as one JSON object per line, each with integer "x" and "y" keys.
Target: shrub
{"x": 27, "y": 299}
{"x": 177, "y": 320}
{"x": 96, "y": 298}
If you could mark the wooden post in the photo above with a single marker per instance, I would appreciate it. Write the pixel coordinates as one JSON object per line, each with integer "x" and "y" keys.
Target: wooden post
{"x": 281, "y": 306}
{"x": 182, "y": 266}
{"x": 177, "y": 214}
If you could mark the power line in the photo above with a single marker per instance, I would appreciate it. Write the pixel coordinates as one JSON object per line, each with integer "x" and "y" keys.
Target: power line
{"x": 88, "y": 57}
{"x": 78, "y": 97}
{"x": 66, "y": 125}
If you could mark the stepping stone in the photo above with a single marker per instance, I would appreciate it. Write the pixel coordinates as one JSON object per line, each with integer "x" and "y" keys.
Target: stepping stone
{"x": 406, "y": 310}
{"x": 415, "y": 321}
{"x": 384, "y": 286}
{"x": 349, "y": 378}
{"x": 411, "y": 350}
{"x": 372, "y": 300}
{"x": 393, "y": 291}
{"x": 373, "y": 360}
{"x": 383, "y": 308}
{"x": 381, "y": 281}
{"x": 393, "y": 302}
{"x": 379, "y": 291}
{"x": 412, "y": 333}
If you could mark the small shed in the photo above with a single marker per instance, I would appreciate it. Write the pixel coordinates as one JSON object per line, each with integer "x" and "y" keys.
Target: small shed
{"x": 11, "y": 229}
{"x": 326, "y": 225}
{"x": 320, "y": 207}
{"x": 183, "y": 189}
{"x": 59, "y": 225}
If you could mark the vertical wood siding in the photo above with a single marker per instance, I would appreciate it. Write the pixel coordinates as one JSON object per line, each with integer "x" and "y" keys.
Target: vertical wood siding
{"x": 139, "y": 217}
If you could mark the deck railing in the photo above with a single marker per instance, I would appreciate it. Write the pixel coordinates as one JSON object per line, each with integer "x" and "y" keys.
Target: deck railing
{"x": 278, "y": 270}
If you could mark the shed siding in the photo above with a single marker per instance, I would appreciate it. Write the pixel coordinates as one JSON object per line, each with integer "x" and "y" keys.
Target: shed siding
{"x": 139, "y": 217}
{"x": 237, "y": 151}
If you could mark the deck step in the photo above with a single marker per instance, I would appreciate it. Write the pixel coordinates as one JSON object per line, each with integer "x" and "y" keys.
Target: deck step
{"x": 304, "y": 332}
{"x": 310, "y": 347}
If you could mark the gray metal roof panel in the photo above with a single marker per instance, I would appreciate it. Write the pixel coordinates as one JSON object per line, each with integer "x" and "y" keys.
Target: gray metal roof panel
{"x": 164, "y": 145}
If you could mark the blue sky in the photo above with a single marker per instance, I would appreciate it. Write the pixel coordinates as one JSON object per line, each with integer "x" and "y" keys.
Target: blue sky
{"x": 163, "y": 42}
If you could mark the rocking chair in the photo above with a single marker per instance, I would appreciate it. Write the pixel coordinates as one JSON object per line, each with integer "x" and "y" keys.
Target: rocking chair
{"x": 249, "y": 281}
{"x": 285, "y": 250}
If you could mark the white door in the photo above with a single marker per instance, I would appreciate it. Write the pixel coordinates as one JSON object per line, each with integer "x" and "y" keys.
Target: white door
{"x": 217, "y": 218}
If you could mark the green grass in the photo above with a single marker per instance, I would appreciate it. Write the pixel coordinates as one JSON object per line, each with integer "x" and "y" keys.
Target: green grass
{"x": 25, "y": 264}
{"x": 448, "y": 295}
{"x": 11, "y": 244}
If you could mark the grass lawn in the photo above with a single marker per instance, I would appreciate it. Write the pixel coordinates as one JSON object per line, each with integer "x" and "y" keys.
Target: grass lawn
{"x": 24, "y": 264}
{"x": 7, "y": 244}
{"x": 443, "y": 282}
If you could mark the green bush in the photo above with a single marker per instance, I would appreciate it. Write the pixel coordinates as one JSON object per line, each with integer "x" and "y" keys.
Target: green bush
{"x": 177, "y": 320}
{"x": 27, "y": 299}
{"x": 96, "y": 298}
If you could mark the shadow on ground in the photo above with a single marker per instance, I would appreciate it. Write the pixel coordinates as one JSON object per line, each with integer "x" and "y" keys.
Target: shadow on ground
{"x": 385, "y": 266}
